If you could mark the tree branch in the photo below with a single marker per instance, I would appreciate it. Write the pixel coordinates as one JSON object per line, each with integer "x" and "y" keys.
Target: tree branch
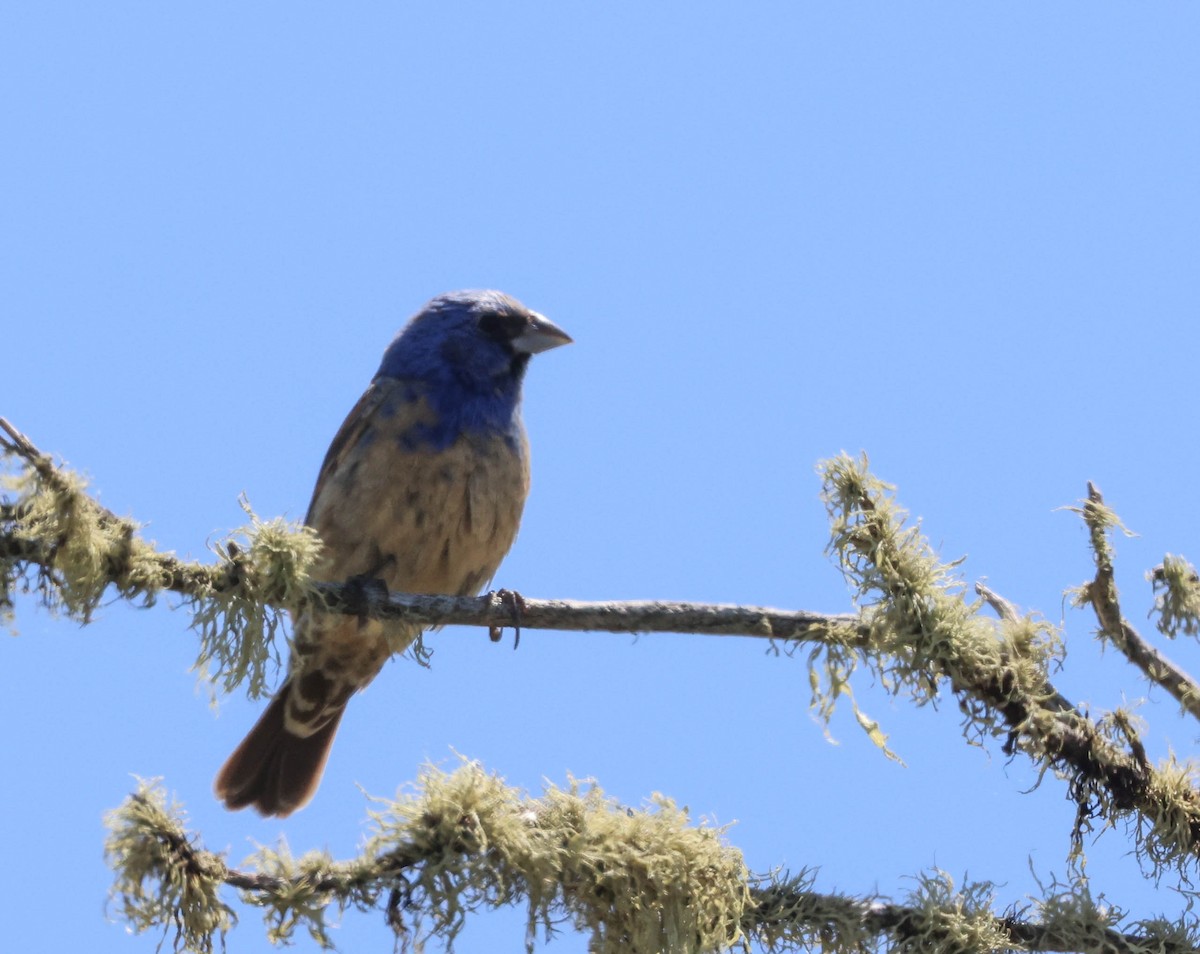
{"x": 1002, "y": 607}
{"x": 634, "y": 616}
{"x": 1069, "y": 920}
{"x": 1101, "y": 593}
{"x": 635, "y": 879}
{"x": 915, "y": 629}
{"x": 200, "y": 581}
{"x": 924, "y": 631}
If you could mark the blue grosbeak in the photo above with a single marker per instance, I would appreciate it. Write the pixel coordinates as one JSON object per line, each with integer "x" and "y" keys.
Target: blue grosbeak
{"x": 423, "y": 489}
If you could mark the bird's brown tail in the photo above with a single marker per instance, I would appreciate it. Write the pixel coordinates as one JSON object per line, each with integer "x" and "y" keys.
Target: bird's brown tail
{"x": 274, "y": 770}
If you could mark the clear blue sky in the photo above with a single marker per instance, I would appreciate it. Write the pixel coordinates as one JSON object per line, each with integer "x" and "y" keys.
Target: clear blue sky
{"x": 960, "y": 237}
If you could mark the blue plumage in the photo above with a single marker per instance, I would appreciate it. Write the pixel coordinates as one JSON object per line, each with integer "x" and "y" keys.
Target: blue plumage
{"x": 470, "y": 380}
{"x": 422, "y": 487}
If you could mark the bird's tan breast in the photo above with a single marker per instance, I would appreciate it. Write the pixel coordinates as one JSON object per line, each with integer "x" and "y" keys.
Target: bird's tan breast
{"x": 422, "y": 521}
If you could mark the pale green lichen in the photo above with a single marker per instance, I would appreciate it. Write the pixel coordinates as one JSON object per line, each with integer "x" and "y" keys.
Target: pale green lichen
{"x": 301, "y": 892}
{"x": 922, "y": 634}
{"x": 1166, "y": 833}
{"x": 86, "y": 548}
{"x": 922, "y": 629}
{"x": 261, "y": 566}
{"x": 67, "y": 548}
{"x": 943, "y": 920}
{"x": 789, "y": 914}
{"x": 1176, "y": 597}
{"x": 1101, "y": 520}
{"x": 634, "y": 880}
{"x": 939, "y": 917}
{"x": 831, "y": 663}
{"x": 162, "y": 879}
{"x": 1074, "y": 919}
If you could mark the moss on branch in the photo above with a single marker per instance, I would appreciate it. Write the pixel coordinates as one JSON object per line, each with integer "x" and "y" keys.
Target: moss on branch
{"x": 645, "y": 879}
{"x": 633, "y": 879}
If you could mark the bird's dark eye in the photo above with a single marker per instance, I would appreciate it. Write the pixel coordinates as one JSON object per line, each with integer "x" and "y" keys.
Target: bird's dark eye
{"x": 502, "y": 325}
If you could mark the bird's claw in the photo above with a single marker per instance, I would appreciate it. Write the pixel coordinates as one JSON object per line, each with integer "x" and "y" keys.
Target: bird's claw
{"x": 516, "y": 605}
{"x": 361, "y": 590}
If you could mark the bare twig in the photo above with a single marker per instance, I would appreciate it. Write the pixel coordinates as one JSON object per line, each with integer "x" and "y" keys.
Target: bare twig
{"x": 20, "y": 445}
{"x": 1002, "y": 607}
{"x": 633, "y": 616}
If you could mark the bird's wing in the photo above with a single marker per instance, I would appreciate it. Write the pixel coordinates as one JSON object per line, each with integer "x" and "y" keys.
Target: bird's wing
{"x": 357, "y": 423}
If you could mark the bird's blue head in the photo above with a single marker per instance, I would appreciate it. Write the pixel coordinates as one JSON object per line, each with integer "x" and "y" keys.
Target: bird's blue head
{"x": 465, "y": 353}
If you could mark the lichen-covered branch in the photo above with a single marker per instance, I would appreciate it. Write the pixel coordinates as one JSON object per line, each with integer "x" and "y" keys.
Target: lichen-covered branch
{"x": 789, "y": 915}
{"x": 61, "y": 542}
{"x": 915, "y": 630}
{"x": 923, "y": 632}
{"x": 1101, "y": 595}
{"x": 644, "y": 879}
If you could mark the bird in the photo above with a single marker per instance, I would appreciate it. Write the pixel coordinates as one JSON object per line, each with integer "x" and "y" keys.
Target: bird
{"x": 422, "y": 489}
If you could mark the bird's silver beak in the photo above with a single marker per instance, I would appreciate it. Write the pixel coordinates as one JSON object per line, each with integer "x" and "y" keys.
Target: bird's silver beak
{"x": 540, "y": 334}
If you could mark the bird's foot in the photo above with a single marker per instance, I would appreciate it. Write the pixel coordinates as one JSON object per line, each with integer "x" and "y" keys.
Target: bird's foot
{"x": 516, "y": 605}
{"x": 362, "y": 591}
